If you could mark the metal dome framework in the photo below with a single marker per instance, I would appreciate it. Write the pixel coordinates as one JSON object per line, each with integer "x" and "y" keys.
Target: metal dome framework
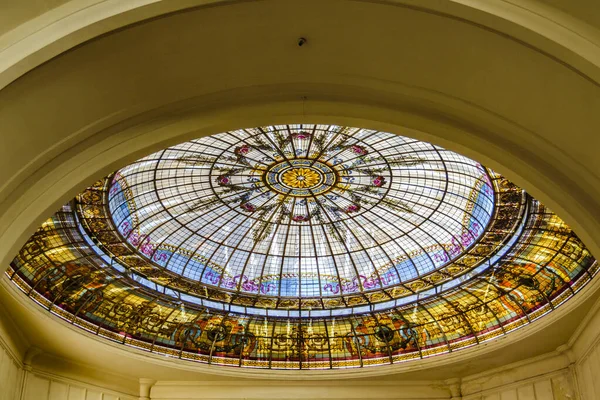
{"x": 473, "y": 256}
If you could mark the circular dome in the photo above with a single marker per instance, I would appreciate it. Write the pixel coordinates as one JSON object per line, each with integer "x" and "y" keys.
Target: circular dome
{"x": 303, "y": 246}
{"x": 314, "y": 212}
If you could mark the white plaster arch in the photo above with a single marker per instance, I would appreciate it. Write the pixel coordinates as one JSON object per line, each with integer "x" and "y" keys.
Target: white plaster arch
{"x": 420, "y": 72}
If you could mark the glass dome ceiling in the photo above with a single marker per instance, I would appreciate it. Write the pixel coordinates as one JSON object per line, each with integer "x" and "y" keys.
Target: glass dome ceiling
{"x": 302, "y": 246}
{"x": 317, "y": 213}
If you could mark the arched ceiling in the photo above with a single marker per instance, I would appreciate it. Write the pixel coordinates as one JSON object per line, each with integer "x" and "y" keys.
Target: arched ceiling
{"x": 436, "y": 74}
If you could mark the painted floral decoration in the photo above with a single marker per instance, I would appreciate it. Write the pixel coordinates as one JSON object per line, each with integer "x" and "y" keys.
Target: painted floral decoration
{"x": 242, "y": 150}
{"x": 352, "y": 208}
{"x": 360, "y": 150}
{"x": 223, "y": 180}
{"x": 301, "y": 135}
{"x": 301, "y": 218}
{"x": 247, "y": 207}
{"x": 379, "y": 181}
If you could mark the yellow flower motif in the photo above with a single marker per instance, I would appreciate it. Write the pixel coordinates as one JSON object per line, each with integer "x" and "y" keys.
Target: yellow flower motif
{"x": 300, "y": 178}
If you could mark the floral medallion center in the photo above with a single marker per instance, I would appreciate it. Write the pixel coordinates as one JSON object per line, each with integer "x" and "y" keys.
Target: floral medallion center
{"x": 297, "y": 178}
{"x": 300, "y": 177}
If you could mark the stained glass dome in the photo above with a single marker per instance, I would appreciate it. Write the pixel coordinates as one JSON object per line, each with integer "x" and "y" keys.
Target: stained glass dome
{"x": 302, "y": 246}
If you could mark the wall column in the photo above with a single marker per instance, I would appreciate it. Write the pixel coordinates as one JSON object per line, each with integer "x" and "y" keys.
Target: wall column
{"x": 145, "y": 386}
{"x": 455, "y": 389}
{"x": 27, "y": 368}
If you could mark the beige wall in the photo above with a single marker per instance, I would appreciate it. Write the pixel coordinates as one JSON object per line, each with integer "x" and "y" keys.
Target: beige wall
{"x": 588, "y": 371}
{"x": 585, "y": 10}
{"x": 549, "y": 377}
{"x": 46, "y": 388}
{"x": 10, "y": 375}
{"x": 570, "y": 373}
{"x": 586, "y": 349}
{"x": 12, "y": 349}
{"x": 15, "y": 13}
{"x": 540, "y": 390}
{"x": 515, "y": 383}
{"x": 332, "y": 390}
{"x": 553, "y": 386}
